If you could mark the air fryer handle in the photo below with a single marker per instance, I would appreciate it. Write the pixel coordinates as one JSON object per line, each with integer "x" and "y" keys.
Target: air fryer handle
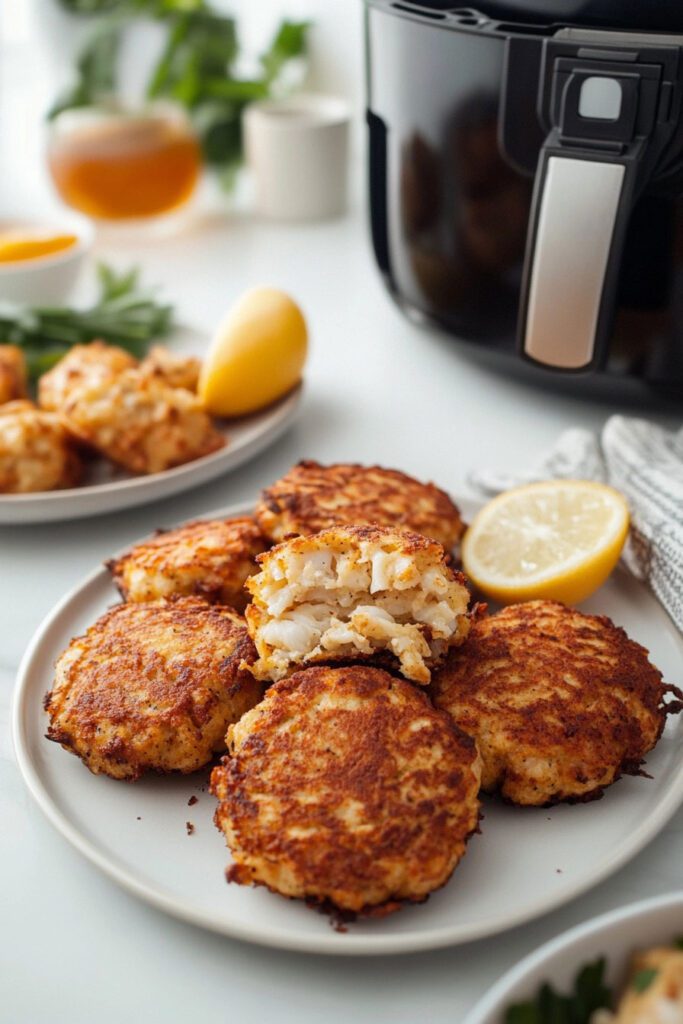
{"x": 580, "y": 212}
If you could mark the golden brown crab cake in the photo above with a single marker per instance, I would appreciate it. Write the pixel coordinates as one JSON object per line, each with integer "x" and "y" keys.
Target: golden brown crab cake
{"x": 356, "y": 593}
{"x": 559, "y": 703}
{"x": 312, "y": 497}
{"x": 346, "y": 787}
{"x": 152, "y": 687}
{"x": 82, "y": 365}
{"x": 13, "y": 374}
{"x": 140, "y": 423}
{"x": 177, "y": 371}
{"x": 36, "y": 452}
{"x": 209, "y": 558}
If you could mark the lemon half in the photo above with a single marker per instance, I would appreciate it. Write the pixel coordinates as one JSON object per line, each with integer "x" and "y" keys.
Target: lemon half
{"x": 257, "y": 354}
{"x": 558, "y": 540}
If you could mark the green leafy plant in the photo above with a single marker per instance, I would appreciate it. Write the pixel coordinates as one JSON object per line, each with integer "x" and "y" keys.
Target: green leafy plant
{"x": 123, "y": 315}
{"x": 549, "y": 1007}
{"x": 196, "y": 69}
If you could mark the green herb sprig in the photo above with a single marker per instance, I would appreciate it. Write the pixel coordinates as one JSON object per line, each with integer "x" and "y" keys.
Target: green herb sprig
{"x": 123, "y": 315}
{"x": 549, "y": 1007}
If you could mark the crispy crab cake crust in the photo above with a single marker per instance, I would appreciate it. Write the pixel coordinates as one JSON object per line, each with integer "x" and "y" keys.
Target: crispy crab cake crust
{"x": 152, "y": 687}
{"x": 130, "y": 412}
{"x": 209, "y": 558}
{"x": 313, "y": 497}
{"x": 13, "y": 373}
{"x": 139, "y": 422}
{"x": 346, "y": 787}
{"x": 560, "y": 703}
{"x": 36, "y": 452}
{"x": 177, "y": 371}
{"x": 82, "y": 364}
{"x": 364, "y": 593}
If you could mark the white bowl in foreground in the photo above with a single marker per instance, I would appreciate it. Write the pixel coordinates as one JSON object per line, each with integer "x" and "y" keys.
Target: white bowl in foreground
{"x": 615, "y": 935}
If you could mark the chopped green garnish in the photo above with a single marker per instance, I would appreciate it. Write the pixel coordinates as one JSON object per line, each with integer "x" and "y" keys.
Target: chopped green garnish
{"x": 549, "y": 1007}
{"x": 642, "y": 980}
{"x": 122, "y": 315}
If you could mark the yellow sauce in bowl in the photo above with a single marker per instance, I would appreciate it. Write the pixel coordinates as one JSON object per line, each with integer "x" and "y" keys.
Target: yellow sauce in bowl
{"x": 16, "y": 246}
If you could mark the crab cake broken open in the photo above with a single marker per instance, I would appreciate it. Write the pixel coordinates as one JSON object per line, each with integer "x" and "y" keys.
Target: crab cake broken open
{"x": 346, "y": 787}
{"x": 356, "y": 593}
{"x": 209, "y": 558}
{"x": 312, "y": 497}
{"x": 559, "y": 703}
{"x": 152, "y": 687}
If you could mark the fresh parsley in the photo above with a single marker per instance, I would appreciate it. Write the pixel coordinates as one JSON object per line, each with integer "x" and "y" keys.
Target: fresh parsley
{"x": 642, "y": 979}
{"x": 550, "y": 1007}
{"x": 123, "y": 315}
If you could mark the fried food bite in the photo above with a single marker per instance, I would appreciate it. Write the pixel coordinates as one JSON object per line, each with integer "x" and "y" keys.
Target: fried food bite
{"x": 174, "y": 370}
{"x": 36, "y": 452}
{"x": 559, "y": 703}
{"x": 13, "y": 374}
{"x": 90, "y": 365}
{"x": 654, "y": 994}
{"x": 210, "y": 558}
{"x": 356, "y": 592}
{"x": 346, "y": 787}
{"x": 139, "y": 422}
{"x": 312, "y": 497}
{"x": 152, "y": 687}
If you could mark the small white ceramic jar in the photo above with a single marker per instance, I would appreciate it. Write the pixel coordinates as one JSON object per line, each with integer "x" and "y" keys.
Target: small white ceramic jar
{"x": 297, "y": 151}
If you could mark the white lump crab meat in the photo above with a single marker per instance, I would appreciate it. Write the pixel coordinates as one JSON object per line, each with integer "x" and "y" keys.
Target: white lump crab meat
{"x": 356, "y": 593}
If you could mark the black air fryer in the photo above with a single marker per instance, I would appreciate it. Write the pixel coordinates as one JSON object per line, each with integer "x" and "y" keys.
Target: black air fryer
{"x": 526, "y": 180}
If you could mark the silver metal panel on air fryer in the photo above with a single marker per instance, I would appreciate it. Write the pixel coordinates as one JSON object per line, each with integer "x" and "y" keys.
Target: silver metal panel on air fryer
{"x": 575, "y": 227}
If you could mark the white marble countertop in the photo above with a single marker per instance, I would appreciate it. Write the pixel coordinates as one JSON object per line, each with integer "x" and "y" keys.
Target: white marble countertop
{"x": 74, "y": 947}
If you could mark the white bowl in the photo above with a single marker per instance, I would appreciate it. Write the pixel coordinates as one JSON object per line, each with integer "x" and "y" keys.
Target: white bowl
{"x": 615, "y": 936}
{"x": 46, "y": 279}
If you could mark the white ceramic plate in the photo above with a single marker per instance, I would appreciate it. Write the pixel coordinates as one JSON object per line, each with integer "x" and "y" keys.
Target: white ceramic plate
{"x": 523, "y": 864}
{"x": 108, "y": 490}
{"x": 615, "y": 936}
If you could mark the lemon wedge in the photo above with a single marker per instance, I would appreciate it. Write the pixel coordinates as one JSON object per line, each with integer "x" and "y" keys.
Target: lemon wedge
{"x": 256, "y": 356}
{"x": 558, "y": 540}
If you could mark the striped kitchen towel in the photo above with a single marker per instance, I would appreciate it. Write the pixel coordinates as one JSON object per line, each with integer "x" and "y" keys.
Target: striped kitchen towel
{"x": 645, "y": 463}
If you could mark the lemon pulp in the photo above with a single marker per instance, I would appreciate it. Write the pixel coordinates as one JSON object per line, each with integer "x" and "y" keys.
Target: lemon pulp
{"x": 557, "y": 540}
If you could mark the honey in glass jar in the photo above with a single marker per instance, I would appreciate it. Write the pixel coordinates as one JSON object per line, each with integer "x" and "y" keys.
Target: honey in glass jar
{"x": 116, "y": 164}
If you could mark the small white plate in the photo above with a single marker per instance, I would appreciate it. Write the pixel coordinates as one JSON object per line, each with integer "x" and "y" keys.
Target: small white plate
{"x": 615, "y": 936}
{"x": 524, "y": 863}
{"x": 109, "y": 489}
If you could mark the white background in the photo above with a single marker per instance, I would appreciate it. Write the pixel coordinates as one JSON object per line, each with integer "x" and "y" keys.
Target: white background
{"x": 73, "y": 948}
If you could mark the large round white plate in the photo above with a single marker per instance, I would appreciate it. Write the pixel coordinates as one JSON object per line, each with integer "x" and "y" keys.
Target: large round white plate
{"x": 524, "y": 863}
{"x": 108, "y": 489}
{"x": 615, "y": 936}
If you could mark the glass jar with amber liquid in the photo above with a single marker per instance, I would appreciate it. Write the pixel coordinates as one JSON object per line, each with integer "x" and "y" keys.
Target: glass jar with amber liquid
{"x": 115, "y": 164}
